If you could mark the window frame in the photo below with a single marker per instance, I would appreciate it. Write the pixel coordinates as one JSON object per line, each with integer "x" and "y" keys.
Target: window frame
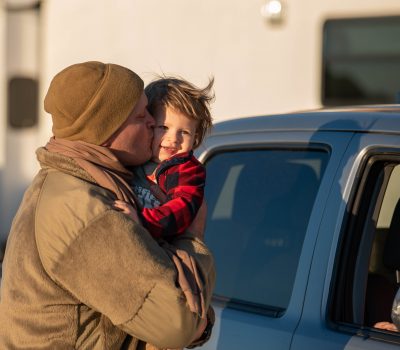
{"x": 342, "y": 100}
{"x": 22, "y": 104}
{"x": 352, "y": 232}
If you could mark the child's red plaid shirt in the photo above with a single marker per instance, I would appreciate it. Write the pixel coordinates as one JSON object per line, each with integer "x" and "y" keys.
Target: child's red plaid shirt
{"x": 182, "y": 178}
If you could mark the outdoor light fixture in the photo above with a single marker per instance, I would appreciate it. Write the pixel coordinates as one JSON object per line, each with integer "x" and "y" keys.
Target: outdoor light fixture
{"x": 273, "y": 11}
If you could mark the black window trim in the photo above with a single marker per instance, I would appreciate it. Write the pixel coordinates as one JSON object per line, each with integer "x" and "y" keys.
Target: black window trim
{"x": 350, "y": 228}
{"x": 245, "y": 146}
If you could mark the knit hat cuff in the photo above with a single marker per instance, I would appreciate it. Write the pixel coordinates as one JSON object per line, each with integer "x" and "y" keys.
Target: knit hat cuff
{"x": 90, "y": 101}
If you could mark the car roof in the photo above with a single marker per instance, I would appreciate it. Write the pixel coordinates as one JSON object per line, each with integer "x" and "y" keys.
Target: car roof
{"x": 370, "y": 119}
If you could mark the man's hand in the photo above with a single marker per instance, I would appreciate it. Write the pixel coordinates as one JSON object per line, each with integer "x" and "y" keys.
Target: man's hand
{"x": 199, "y": 333}
{"x": 198, "y": 225}
{"x": 386, "y": 326}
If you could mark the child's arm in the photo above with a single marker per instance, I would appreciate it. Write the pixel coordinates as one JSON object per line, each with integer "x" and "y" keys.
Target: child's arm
{"x": 184, "y": 186}
{"x": 127, "y": 209}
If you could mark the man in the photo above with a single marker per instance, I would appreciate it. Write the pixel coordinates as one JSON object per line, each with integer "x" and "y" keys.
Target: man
{"x": 78, "y": 274}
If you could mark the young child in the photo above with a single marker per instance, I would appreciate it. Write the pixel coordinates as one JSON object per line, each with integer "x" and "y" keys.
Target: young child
{"x": 170, "y": 187}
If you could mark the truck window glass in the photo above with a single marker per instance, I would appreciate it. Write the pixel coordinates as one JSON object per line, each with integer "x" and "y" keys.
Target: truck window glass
{"x": 382, "y": 280}
{"x": 259, "y": 204}
{"x": 368, "y": 277}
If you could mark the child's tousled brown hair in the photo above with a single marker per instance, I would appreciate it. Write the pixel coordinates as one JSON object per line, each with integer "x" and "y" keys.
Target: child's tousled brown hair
{"x": 184, "y": 97}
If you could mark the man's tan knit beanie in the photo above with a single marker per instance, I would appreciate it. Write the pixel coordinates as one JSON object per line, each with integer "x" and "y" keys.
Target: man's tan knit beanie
{"x": 90, "y": 101}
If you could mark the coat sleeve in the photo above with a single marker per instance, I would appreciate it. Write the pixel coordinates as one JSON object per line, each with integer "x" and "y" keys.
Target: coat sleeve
{"x": 115, "y": 267}
{"x": 184, "y": 187}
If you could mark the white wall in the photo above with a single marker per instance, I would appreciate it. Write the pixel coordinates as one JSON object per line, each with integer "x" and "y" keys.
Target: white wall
{"x": 20, "y": 57}
{"x": 258, "y": 68}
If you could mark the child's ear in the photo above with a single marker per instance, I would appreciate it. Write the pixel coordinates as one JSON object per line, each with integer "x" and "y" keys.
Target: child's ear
{"x": 196, "y": 140}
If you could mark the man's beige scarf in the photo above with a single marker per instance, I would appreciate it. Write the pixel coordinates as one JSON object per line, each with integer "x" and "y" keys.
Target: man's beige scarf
{"x": 100, "y": 163}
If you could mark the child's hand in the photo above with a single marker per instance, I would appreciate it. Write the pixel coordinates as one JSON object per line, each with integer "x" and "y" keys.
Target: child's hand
{"x": 127, "y": 209}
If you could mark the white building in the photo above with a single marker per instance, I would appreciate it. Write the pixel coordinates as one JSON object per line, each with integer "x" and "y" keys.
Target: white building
{"x": 263, "y": 60}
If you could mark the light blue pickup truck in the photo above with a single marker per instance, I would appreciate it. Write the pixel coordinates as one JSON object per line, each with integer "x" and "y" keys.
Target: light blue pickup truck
{"x": 304, "y": 223}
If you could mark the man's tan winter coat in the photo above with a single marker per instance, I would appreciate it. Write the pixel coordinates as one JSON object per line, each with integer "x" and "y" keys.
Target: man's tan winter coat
{"x": 78, "y": 274}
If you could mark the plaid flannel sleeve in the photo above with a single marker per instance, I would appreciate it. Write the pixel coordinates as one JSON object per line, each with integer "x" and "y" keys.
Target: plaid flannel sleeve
{"x": 184, "y": 186}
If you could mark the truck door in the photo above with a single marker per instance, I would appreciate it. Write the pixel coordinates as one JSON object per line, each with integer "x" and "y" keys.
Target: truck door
{"x": 263, "y": 194}
{"x": 354, "y": 274}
